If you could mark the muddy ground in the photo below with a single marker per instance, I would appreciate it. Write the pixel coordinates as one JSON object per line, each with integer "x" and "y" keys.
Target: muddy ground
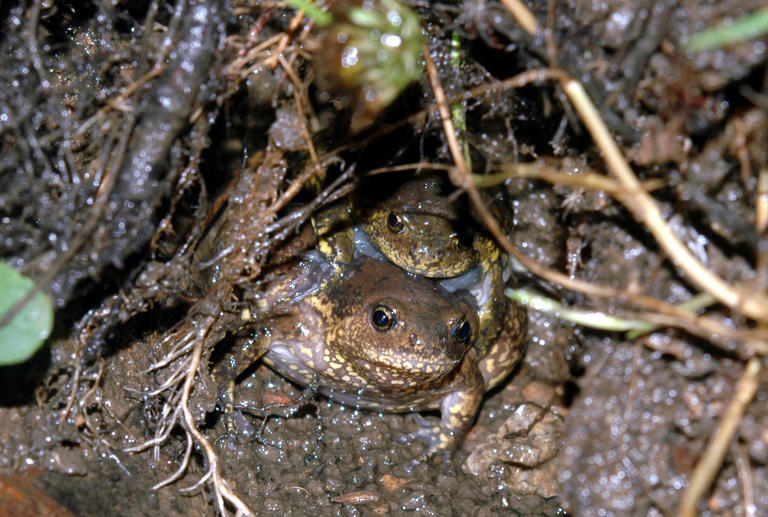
{"x": 128, "y": 128}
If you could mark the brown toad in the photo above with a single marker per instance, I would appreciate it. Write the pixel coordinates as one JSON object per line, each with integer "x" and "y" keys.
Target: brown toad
{"x": 372, "y": 337}
{"x": 416, "y": 229}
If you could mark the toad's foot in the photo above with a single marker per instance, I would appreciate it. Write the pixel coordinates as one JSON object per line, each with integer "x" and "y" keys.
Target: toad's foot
{"x": 457, "y": 412}
{"x": 439, "y": 441}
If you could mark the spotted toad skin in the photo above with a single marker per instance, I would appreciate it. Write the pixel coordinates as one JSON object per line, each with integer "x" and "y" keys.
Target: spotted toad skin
{"x": 415, "y": 229}
{"x": 375, "y": 337}
{"x": 373, "y": 333}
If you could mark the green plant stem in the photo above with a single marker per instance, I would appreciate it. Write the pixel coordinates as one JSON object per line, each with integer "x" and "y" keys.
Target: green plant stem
{"x": 596, "y": 319}
{"x": 740, "y": 30}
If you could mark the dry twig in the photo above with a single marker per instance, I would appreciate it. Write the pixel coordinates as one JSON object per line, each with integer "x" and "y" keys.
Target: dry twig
{"x": 645, "y": 210}
{"x": 718, "y": 444}
{"x": 639, "y": 202}
{"x": 587, "y": 179}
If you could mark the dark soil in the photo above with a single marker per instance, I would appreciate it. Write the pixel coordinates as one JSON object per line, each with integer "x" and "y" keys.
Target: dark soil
{"x": 147, "y": 147}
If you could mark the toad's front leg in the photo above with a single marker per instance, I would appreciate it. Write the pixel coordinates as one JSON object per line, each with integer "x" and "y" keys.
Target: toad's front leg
{"x": 458, "y": 410}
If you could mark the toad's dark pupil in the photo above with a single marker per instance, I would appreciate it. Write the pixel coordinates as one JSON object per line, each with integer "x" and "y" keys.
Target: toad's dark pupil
{"x": 463, "y": 241}
{"x": 382, "y": 318}
{"x": 394, "y": 222}
{"x": 462, "y": 331}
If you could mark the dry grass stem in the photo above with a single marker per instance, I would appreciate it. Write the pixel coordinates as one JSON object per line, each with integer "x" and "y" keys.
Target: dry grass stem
{"x": 586, "y": 179}
{"x": 639, "y": 202}
{"x": 761, "y": 202}
{"x": 745, "y": 478}
{"x": 719, "y": 443}
{"x": 237, "y": 68}
{"x": 444, "y": 109}
{"x": 285, "y": 38}
{"x": 708, "y": 328}
{"x": 298, "y": 94}
{"x": 645, "y": 210}
{"x": 522, "y": 15}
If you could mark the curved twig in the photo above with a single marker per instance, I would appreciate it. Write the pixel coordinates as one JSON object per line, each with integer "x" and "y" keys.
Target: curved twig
{"x": 720, "y": 441}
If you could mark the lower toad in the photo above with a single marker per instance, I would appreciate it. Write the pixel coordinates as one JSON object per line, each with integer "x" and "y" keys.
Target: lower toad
{"x": 375, "y": 337}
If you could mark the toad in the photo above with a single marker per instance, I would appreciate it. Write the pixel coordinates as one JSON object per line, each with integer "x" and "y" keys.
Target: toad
{"x": 415, "y": 229}
{"x": 373, "y": 337}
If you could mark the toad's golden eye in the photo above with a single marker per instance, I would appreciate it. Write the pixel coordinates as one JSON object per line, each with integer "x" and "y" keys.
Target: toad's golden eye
{"x": 462, "y": 331}
{"x": 383, "y": 318}
{"x": 395, "y": 223}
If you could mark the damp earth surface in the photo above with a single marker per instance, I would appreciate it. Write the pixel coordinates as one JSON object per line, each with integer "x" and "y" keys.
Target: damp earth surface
{"x": 155, "y": 158}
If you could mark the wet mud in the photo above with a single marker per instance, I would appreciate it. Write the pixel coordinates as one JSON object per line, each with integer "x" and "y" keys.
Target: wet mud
{"x": 155, "y": 157}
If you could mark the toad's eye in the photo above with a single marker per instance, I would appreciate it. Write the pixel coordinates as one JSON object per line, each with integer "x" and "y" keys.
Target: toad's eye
{"x": 462, "y": 331}
{"x": 383, "y": 318}
{"x": 461, "y": 241}
{"x": 395, "y": 223}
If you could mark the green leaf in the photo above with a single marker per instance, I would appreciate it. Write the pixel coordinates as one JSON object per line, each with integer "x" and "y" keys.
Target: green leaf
{"x": 751, "y": 26}
{"x": 28, "y": 329}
